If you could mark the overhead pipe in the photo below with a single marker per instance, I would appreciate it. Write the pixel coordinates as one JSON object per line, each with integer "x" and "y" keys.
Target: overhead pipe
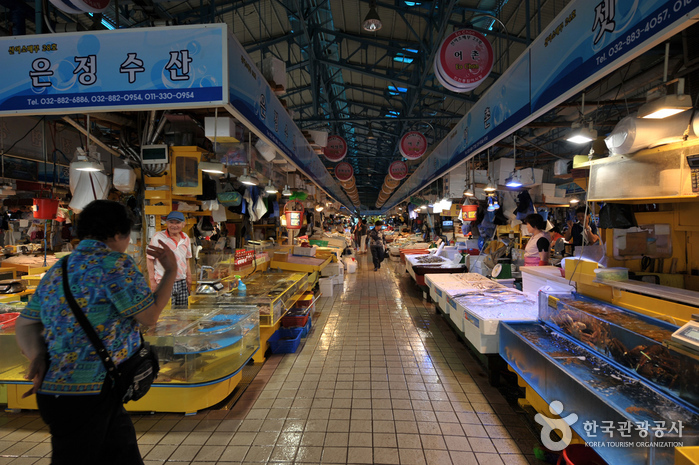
{"x": 159, "y": 129}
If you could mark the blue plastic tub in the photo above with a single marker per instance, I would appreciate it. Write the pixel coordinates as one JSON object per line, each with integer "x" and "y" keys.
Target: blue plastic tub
{"x": 307, "y": 328}
{"x": 285, "y": 340}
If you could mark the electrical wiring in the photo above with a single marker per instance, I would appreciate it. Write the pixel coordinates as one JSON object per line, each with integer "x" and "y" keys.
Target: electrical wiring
{"x": 23, "y": 137}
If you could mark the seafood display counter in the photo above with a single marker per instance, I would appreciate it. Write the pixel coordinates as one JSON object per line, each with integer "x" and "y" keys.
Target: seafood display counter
{"x": 201, "y": 351}
{"x": 475, "y": 306}
{"x": 609, "y": 366}
{"x": 272, "y": 293}
{"x": 420, "y": 265}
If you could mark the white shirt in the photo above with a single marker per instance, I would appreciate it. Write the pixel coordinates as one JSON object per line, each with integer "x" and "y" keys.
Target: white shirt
{"x": 181, "y": 247}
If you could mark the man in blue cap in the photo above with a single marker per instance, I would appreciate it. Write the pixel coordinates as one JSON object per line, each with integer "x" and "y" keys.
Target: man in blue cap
{"x": 180, "y": 244}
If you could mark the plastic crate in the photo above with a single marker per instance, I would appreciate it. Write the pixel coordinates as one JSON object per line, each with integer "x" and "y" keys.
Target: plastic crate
{"x": 290, "y": 321}
{"x": 285, "y": 340}
{"x": 7, "y": 320}
{"x": 307, "y": 328}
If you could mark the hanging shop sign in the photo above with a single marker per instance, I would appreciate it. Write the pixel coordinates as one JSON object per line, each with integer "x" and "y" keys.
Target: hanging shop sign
{"x": 398, "y": 170}
{"x": 344, "y": 171}
{"x": 465, "y": 59}
{"x": 126, "y": 69}
{"x": 336, "y": 149}
{"x": 252, "y": 102}
{"x": 585, "y": 42}
{"x": 413, "y": 145}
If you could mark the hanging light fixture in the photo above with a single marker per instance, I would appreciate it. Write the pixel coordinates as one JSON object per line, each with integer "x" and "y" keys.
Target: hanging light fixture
{"x": 581, "y": 134}
{"x": 287, "y": 192}
{"x": 87, "y": 164}
{"x": 490, "y": 186}
{"x": 659, "y": 103}
{"x": 270, "y": 188}
{"x": 372, "y": 22}
{"x": 212, "y": 167}
{"x": 370, "y": 135}
{"x": 247, "y": 179}
{"x": 573, "y": 200}
{"x": 514, "y": 179}
{"x": 319, "y": 207}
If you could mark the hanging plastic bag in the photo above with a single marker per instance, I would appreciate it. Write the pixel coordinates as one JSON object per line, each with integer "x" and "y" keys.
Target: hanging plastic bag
{"x": 87, "y": 186}
{"x": 617, "y": 216}
{"x": 124, "y": 178}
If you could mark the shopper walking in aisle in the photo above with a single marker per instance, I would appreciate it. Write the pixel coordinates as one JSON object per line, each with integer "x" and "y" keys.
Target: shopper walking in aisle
{"x": 536, "y": 253}
{"x": 362, "y": 236}
{"x": 377, "y": 244}
{"x": 86, "y": 418}
{"x": 180, "y": 244}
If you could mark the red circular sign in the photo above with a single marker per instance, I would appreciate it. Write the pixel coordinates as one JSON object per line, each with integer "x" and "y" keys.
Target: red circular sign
{"x": 466, "y": 57}
{"x": 398, "y": 170}
{"x": 336, "y": 148}
{"x": 413, "y": 145}
{"x": 91, "y": 6}
{"x": 344, "y": 171}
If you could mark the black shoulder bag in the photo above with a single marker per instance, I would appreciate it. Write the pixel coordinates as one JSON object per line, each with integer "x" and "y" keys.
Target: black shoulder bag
{"x": 133, "y": 377}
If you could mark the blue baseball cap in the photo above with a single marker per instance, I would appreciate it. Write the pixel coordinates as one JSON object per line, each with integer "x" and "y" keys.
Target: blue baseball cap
{"x": 175, "y": 216}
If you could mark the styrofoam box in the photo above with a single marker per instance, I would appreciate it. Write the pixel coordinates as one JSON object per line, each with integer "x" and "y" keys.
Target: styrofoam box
{"x": 560, "y": 192}
{"x": 480, "y": 176}
{"x": 531, "y": 176}
{"x": 331, "y": 269}
{"x": 305, "y": 251}
{"x": 225, "y": 128}
{"x": 274, "y": 69}
{"x": 320, "y": 138}
{"x": 326, "y": 286}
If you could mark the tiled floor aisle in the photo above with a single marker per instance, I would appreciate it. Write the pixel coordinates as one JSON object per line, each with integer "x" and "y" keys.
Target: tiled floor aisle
{"x": 381, "y": 379}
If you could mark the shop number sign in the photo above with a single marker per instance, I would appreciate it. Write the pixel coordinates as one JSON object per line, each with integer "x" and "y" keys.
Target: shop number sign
{"x": 344, "y": 171}
{"x": 336, "y": 148}
{"x": 398, "y": 170}
{"x": 413, "y": 145}
{"x": 466, "y": 57}
{"x": 131, "y": 68}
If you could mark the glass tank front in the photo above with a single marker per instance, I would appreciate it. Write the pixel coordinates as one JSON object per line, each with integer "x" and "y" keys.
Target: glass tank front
{"x": 194, "y": 345}
{"x": 272, "y": 292}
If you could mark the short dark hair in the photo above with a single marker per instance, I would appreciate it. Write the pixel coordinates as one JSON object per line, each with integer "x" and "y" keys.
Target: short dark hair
{"x": 378, "y": 223}
{"x": 536, "y": 221}
{"x": 103, "y": 219}
{"x": 580, "y": 210}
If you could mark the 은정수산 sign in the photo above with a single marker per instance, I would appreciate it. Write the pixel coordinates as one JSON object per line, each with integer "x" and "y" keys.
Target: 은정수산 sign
{"x": 109, "y": 70}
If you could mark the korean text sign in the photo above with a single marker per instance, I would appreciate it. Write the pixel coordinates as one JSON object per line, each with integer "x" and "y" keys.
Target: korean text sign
{"x": 133, "y": 68}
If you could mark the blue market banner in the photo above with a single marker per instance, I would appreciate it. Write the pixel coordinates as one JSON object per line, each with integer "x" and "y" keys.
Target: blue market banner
{"x": 129, "y": 69}
{"x": 592, "y": 37}
{"x": 252, "y": 100}
{"x": 585, "y": 42}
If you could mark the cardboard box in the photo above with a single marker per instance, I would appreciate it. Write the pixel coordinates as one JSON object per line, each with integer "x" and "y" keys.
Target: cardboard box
{"x": 280, "y": 256}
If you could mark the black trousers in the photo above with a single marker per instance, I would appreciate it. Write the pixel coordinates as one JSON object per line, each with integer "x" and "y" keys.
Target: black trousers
{"x": 377, "y": 255}
{"x": 89, "y": 430}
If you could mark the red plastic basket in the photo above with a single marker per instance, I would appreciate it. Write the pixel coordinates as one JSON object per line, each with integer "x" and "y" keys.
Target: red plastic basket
{"x": 291, "y": 321}
{"x": 7, "y": 320}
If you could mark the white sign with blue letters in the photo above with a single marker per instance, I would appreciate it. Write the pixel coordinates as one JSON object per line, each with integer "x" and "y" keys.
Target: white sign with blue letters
{"x": 140, "y": 68}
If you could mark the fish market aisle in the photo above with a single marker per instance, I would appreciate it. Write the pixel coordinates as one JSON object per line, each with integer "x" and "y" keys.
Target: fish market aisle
{"x": 380, "y": 379}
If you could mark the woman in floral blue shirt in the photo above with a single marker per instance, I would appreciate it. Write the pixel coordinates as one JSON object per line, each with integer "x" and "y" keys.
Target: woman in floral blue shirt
{"x": 88, "y": 424}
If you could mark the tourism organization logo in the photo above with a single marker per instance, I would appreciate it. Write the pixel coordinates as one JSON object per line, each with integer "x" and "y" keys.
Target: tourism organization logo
{"x": 549, "y": 424}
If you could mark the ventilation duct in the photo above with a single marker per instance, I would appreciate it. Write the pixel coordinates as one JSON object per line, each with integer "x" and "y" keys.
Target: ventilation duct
{"x": 632, "y": 134}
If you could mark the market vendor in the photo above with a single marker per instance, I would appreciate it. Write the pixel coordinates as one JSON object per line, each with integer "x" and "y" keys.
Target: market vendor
{"x": 537, "y": 251}
{"x": 583, "y": 230}
{"x": 180, "y": 244}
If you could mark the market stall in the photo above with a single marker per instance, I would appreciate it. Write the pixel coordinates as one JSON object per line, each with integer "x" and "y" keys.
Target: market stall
{"x": 201, "y": 351}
